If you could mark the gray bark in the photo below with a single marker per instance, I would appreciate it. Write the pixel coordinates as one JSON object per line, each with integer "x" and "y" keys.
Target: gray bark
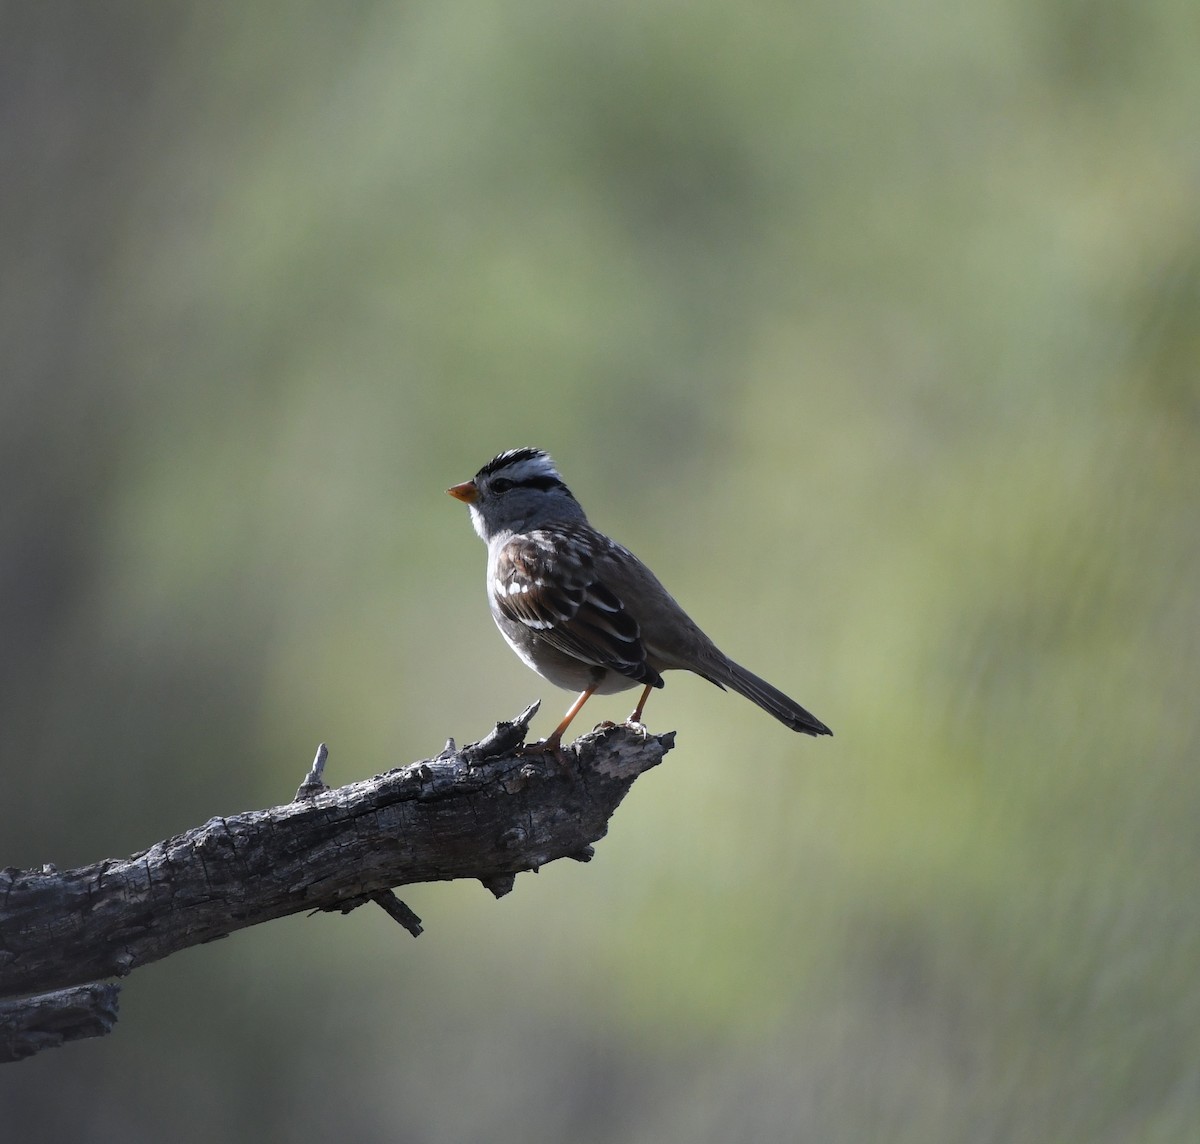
{"x": 486, "y": 812}
{"x": 32, "y": 1024}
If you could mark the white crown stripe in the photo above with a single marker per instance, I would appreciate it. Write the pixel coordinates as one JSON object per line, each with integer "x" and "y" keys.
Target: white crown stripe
{"x": 519, "y": 465}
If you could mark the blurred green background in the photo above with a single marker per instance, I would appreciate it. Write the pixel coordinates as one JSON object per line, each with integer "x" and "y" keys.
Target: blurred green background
{"x": 873, "y": 328}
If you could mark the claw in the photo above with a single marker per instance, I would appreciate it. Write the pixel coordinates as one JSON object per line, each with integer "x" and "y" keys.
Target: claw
{"x": 550, "y": 746}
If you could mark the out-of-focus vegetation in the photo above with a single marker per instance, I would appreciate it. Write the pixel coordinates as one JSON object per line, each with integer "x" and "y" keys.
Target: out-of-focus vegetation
{"x": 874, "y": 328}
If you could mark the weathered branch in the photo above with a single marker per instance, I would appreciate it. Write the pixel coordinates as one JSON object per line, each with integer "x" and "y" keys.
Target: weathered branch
{"x": 32, "y": 1024}
{"x": 486, "y": 812}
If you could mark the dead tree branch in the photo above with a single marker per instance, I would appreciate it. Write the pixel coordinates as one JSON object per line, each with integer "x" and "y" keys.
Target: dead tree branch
{"x": 487, "y": 812}
{"x": 31, "y": 1024}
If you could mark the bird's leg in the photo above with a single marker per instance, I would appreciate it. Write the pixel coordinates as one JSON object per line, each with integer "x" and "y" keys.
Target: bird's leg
{"x": 551, "y": 744}
{"x": 636, "y": 717}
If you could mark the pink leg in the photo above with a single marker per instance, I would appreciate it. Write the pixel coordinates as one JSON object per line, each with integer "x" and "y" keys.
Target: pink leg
{"x": 556, "y": 737}
{"x": 636, "y": 717}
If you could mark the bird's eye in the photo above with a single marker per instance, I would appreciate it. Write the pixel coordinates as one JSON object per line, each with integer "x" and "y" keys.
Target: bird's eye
{"x": 501, "y": 485}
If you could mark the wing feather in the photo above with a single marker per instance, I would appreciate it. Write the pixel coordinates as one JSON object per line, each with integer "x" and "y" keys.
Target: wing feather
{"x": 547, "y": 579}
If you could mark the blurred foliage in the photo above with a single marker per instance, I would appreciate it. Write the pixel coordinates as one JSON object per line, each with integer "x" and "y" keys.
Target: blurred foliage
{"x": 873, "y": 328}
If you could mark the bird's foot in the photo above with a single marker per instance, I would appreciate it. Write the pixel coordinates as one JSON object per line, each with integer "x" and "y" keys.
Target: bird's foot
{"x": 551, "y": 746}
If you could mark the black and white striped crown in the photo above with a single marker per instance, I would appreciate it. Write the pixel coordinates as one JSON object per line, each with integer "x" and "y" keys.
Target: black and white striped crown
{"x": 526, "y": 467}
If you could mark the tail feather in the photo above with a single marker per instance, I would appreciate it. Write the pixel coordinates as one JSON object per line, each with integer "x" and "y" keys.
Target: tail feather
{"x": 770, "y": 699}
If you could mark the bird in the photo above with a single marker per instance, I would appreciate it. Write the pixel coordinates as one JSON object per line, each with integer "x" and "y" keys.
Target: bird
{"x": 580, "y": 609}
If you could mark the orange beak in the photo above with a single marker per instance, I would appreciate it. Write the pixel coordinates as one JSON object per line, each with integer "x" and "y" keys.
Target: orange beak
{"x": 466, "y": 492}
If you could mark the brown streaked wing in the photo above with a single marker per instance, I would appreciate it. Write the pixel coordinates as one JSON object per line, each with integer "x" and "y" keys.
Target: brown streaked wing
{"x": 545, "y": 580}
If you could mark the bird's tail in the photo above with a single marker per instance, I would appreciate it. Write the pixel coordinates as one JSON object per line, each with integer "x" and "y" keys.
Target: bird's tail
{"x": 726, "y": 673}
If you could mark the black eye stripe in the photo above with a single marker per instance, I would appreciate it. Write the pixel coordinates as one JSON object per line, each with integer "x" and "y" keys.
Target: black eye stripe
{"x": 503, "y": 484}
{"x": 541, "y": 483}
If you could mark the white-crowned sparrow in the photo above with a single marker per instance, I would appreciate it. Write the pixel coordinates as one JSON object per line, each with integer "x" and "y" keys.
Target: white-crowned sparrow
{"x": 582, "y": 611}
